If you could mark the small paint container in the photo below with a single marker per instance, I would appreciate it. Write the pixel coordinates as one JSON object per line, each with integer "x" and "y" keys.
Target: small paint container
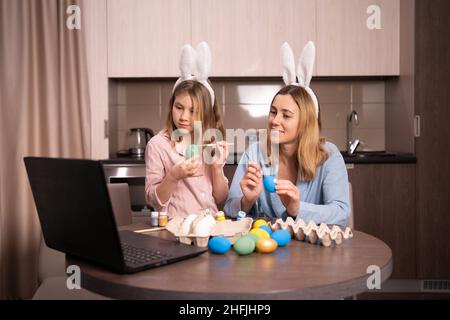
{"x": 163, "y": 219}
{"x": 241, "y": 215}
{"x": 154, "y": 219}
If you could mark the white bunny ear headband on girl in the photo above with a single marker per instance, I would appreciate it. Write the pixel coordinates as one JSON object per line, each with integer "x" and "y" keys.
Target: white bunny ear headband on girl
{"x": 196, "y": 65}
{"x": 304, "y": 69}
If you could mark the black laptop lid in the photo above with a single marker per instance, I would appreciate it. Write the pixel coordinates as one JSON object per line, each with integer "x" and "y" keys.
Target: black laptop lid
{"x": 74, "y": 208}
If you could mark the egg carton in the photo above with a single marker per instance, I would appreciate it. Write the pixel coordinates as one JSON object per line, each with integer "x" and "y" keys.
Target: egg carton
{"x": 232, "y": 230}
{"x": 313, "y": 233}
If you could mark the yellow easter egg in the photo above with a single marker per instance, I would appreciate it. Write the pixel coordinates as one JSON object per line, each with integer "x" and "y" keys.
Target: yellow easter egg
{"x": 260, "y": 222}
{"x": 260, "y": 233}
{"x": 266, "y": 245}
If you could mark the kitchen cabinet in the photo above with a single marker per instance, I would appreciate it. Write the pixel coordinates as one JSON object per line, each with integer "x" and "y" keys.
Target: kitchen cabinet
{"x": 384, "y": 206}
{"x": 95, "y": 38}
{"x": 145, "y": 37}
{"x": 245, "y": 36}
{"x": 350, "y": 42}
{"x": 432, "y": 101}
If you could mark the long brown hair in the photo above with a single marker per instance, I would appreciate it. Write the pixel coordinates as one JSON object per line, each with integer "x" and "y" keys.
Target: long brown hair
{"x": 310, "y": 145}
{"x": 210, "y": 116}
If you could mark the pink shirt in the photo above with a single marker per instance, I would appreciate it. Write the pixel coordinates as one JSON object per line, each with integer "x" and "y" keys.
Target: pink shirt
{"x": 191, "y": 195}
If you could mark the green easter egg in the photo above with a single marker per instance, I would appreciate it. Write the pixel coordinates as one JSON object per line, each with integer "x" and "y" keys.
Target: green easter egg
{"x": 191, "y": 151}
{"x": 244, "y": 246}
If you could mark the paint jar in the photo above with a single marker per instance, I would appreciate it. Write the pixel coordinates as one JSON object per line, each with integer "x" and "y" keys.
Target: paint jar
{"x": 154, "y": 219}
{"x": 163, "y": 219}
{"x": 241, "y": 214}
{"x": 220, "y": 216}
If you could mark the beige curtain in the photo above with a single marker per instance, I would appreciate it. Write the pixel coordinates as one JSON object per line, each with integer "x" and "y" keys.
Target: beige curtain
{"x": 44, "y": 111}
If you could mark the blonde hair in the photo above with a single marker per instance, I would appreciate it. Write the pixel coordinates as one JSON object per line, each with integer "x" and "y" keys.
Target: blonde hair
{"x": 310, "y": 151}
{"x": 209, "y": 116}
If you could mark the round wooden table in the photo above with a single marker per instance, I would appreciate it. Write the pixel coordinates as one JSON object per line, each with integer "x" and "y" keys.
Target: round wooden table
{"x": 298, "y": 271}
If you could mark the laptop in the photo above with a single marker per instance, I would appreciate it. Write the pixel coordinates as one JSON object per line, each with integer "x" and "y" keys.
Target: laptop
{"x": 77, "y": 218}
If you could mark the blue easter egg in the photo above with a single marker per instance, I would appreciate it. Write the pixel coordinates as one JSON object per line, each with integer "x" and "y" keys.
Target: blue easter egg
{"x": 267, "y": 228}
{"x": 269, "y": 183}
{"x": 282, "y": 237}
{"x": 219, "y": 245}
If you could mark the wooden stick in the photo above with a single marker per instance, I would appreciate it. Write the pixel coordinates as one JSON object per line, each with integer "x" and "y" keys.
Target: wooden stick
{"x": 149, "y": 230}
{"x": 213, "y": 144}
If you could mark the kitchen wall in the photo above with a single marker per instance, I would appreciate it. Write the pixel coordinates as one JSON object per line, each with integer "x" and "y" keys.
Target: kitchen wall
{"x": 143, "y": 103}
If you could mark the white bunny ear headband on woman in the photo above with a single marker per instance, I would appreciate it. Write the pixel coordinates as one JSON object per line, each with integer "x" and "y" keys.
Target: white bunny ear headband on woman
{"x": 304, "y": 69}
{"x": 196, "y": 65}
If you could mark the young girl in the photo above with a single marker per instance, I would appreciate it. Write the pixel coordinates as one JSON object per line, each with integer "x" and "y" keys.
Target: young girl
{"x": 312, "y": 180}
{"x": 176, "y": 183}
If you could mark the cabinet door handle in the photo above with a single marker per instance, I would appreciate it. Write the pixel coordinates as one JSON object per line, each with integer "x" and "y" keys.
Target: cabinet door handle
{"x": 106, "y": 128}
{"x": 417, "y": 126}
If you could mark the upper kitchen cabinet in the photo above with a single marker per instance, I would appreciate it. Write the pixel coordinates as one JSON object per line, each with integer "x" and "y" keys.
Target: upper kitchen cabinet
{"x": 358, "y": 37}
{"x": 145, "y": 37}
{"x": 245, "y": 36}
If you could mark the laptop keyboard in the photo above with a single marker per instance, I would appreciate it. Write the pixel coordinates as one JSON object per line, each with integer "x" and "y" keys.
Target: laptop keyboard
{"x": 136, "y": 255}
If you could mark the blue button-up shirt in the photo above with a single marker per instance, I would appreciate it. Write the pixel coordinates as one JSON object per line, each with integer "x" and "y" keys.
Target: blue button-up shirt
{"x": 324, "y": 199}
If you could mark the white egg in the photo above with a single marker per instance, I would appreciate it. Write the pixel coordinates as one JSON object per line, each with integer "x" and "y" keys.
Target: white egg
{"x": 185, "y": 228}
{"x": 204, "y": 226}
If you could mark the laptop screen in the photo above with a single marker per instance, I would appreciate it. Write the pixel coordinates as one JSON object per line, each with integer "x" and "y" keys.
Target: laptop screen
{"x": 74, "y": 208}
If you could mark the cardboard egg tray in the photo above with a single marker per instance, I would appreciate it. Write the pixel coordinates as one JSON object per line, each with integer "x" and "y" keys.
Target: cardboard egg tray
{"x": 313, "y": 233}
{"x": 233, "y": 230}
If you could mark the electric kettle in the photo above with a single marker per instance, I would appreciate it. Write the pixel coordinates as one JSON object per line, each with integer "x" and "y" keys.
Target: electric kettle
{"x": 137, "y": 140}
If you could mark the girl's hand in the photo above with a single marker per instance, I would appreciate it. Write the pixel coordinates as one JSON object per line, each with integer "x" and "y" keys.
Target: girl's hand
{"x": 289, "y": 195}
{"x": 186, "y": 169}
{"x": 251, "y": 184}
{"x": 220, "y": 155}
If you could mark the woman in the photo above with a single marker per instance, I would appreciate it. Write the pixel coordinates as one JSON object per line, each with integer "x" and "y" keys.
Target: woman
{"x": 312, "y": 181}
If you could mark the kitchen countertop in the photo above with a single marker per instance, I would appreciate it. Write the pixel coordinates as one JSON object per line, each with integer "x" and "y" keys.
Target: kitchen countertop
{"x": 379, "y": 157}
{"x": 360, "y": 157}
{"x": 123, "y": 160}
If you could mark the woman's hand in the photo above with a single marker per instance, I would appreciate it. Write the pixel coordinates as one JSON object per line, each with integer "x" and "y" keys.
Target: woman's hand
{"x": 289, "y": 195}
{"x": 186, "y": 169}
{"x": 251, "y": 185}
{"x": 220, "y": 155}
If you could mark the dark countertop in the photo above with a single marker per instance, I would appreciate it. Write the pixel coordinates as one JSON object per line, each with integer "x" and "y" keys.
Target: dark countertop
{"x": 360, "y": 157}
{"x": 123, "y": 160}
{"x": 380, "y": 157}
